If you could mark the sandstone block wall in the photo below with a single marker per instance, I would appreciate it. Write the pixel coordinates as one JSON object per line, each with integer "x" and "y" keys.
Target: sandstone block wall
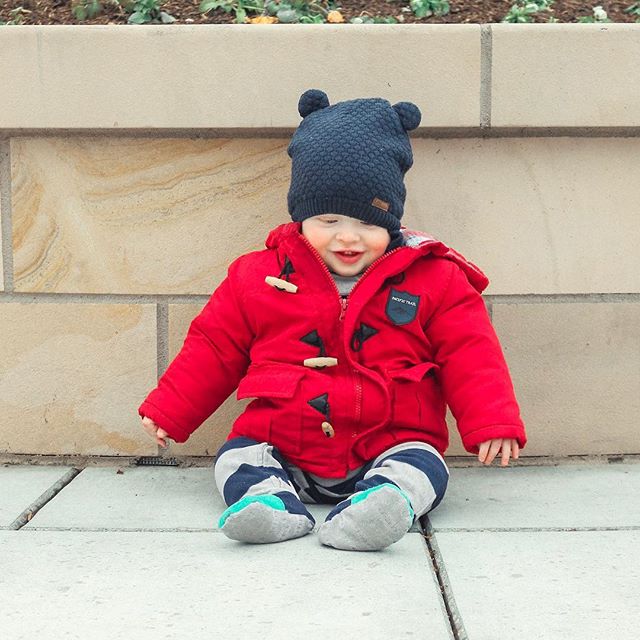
{"x": 127, "y": 186}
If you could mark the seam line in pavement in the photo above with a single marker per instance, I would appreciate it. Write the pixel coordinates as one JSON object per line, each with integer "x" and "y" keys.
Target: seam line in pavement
{"x": 48, "y": 495}
{"x": 142, "y": 530}
{"x": 455, "y": 619}
{"x": 125, "y": 529}
{"x": 528, "y": 529}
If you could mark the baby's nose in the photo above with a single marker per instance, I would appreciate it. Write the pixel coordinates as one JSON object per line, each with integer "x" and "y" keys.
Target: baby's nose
{"x": 347, "y": 235}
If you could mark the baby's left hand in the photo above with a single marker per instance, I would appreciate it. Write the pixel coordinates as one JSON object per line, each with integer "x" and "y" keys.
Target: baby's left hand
{"x": 489, "y": 449}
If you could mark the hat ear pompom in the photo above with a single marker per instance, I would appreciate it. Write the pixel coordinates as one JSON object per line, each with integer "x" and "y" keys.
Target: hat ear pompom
{"x": 409, "y": 113}
{"x": 312, "y": 100}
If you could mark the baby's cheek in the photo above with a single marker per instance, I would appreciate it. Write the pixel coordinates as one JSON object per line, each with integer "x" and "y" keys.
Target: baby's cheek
{"x": 379, "y": 249}
{"x": 381, "y": 242}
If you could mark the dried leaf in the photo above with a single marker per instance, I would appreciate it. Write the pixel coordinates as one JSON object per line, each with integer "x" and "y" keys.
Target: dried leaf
{"x": 263, "y": 20}
{"x": 335, "y": 16}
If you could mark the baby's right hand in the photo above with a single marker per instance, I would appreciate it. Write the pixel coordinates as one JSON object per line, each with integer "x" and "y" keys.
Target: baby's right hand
{"x": 155, "y": 431}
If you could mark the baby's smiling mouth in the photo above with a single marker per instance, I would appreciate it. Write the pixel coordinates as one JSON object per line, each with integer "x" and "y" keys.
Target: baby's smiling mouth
{"x": 348, "y": 257}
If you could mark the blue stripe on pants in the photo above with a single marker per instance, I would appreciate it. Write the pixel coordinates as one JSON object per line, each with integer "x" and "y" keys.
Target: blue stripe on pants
{"x": 246, "y": 467}
{"x": 239, "y": 483}
{"x": 430, "y": 463}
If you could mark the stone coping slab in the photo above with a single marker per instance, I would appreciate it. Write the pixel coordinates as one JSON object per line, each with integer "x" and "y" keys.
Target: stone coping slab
{"x": 157, "y": 585}
{"x": 544, "y": 584}
{"x": 490, "y": 74}
{"x": 538, "y": 70}
{"x": 202, "y": 84}
{"x": 593, "y": 495}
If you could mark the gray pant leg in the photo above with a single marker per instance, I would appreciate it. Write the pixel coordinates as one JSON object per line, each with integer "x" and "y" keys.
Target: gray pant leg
{"x": 246, "y": 467}
{"x": 417, "y": 468}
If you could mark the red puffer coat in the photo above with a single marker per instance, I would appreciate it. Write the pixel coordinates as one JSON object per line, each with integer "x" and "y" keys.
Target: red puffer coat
{"x": 338, "y": 382}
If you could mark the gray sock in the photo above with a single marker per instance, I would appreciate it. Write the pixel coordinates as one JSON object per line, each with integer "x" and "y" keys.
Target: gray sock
{"x": 369, "y": 520}
{"x": 261, "y": 519}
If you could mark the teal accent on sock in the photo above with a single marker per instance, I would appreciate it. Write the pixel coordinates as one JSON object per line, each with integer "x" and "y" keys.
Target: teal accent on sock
{"x": 271, "y": 501}
{"x": 359, "y": 497}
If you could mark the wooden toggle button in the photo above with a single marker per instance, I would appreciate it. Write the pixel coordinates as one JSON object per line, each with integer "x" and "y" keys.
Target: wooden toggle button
{"x": 328, "y": 430}
{"x": 280, "y": 284}
{"x": 319, "y": 363}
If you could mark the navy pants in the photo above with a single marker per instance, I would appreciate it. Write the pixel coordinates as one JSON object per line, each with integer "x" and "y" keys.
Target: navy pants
{"x": 246, "y": 467}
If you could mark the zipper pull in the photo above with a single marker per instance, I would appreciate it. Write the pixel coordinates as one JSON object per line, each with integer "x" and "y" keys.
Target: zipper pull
{"x": 344, "y": 303}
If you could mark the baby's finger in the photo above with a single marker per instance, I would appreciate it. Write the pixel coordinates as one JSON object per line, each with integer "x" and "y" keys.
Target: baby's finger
{"x": 515, "y": 449}
{"x": 493, "y": 450}
{"x": 482, "y": 451}
{"x": 149, "y": 429}
{"x": 506, "y": 452}
{"x": 162, "y": 438}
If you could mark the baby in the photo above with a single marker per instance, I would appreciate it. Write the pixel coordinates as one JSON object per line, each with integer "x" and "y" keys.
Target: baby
{"x": 351, "y": 334}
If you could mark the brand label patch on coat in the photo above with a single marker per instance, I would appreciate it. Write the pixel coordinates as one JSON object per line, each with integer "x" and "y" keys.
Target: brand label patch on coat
{"x": 402, "y": 306}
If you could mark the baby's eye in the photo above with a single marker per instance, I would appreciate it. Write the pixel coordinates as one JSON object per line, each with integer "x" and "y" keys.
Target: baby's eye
{"x": 329, "y": 221}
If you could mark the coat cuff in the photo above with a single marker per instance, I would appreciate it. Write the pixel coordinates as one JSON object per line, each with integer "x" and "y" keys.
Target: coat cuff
{"x": 472, "y": 440}
{"x": 175, "y": 432}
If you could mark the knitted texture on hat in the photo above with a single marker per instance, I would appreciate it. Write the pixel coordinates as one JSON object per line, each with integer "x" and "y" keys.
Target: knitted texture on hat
{"x": 350, "y": 158}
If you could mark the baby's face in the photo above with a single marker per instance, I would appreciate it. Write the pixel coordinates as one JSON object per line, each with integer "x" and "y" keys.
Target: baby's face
{"x": 334, "y": 236}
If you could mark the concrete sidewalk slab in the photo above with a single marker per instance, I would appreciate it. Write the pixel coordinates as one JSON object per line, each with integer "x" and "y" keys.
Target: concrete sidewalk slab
{"x": 593, "y": 495}
{"x": 135, "y": 498}
{"x": 144, "y": 498}
{"x": 22, "y": 485}
{"x": 544, "y": 584}
{"x": 155, "y": 585}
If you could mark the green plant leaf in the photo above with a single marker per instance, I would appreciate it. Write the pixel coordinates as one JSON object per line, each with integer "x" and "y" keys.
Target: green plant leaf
{"x": 421, "y": 8}
{"x": 79, "y": 12}
{"x": 137, "y": 18}
{"x": 207, "y": 5}
{"x": 287, "y": 16}
{"x": 312, "y": 19}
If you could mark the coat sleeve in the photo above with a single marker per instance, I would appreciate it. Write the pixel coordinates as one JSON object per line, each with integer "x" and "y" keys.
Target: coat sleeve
{"x": 473, "y": 371}
{"x": 212, "y": 360}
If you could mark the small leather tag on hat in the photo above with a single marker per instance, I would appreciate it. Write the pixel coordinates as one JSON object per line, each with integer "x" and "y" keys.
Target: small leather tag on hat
{"x": 380, "y": 204}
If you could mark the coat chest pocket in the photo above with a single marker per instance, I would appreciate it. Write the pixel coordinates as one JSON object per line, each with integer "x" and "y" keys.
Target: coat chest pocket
{"x": 415, "y": 395}
{"x": 276, "y": 411}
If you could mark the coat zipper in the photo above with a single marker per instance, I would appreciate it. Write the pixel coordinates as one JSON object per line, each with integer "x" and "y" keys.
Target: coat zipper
{"x": 344, "y": 303}
{"x": 344, "y": 309}
{"x": 358, "y": 398}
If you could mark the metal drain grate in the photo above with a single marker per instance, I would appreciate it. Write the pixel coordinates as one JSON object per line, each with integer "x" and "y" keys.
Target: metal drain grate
{"x": 156, "y": 461}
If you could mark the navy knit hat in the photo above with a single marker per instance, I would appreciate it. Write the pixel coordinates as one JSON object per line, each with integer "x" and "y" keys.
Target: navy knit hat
{"x": 350, "y": 158}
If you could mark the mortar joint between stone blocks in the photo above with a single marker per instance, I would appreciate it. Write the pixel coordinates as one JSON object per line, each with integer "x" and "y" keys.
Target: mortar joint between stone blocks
{"x": 6, "y": 231}
{"x": 486, "y": 61}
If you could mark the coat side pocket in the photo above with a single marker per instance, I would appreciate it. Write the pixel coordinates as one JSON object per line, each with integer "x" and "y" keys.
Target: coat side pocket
{"x": 416, "y": 397}
{"x": 275, "y": 413}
